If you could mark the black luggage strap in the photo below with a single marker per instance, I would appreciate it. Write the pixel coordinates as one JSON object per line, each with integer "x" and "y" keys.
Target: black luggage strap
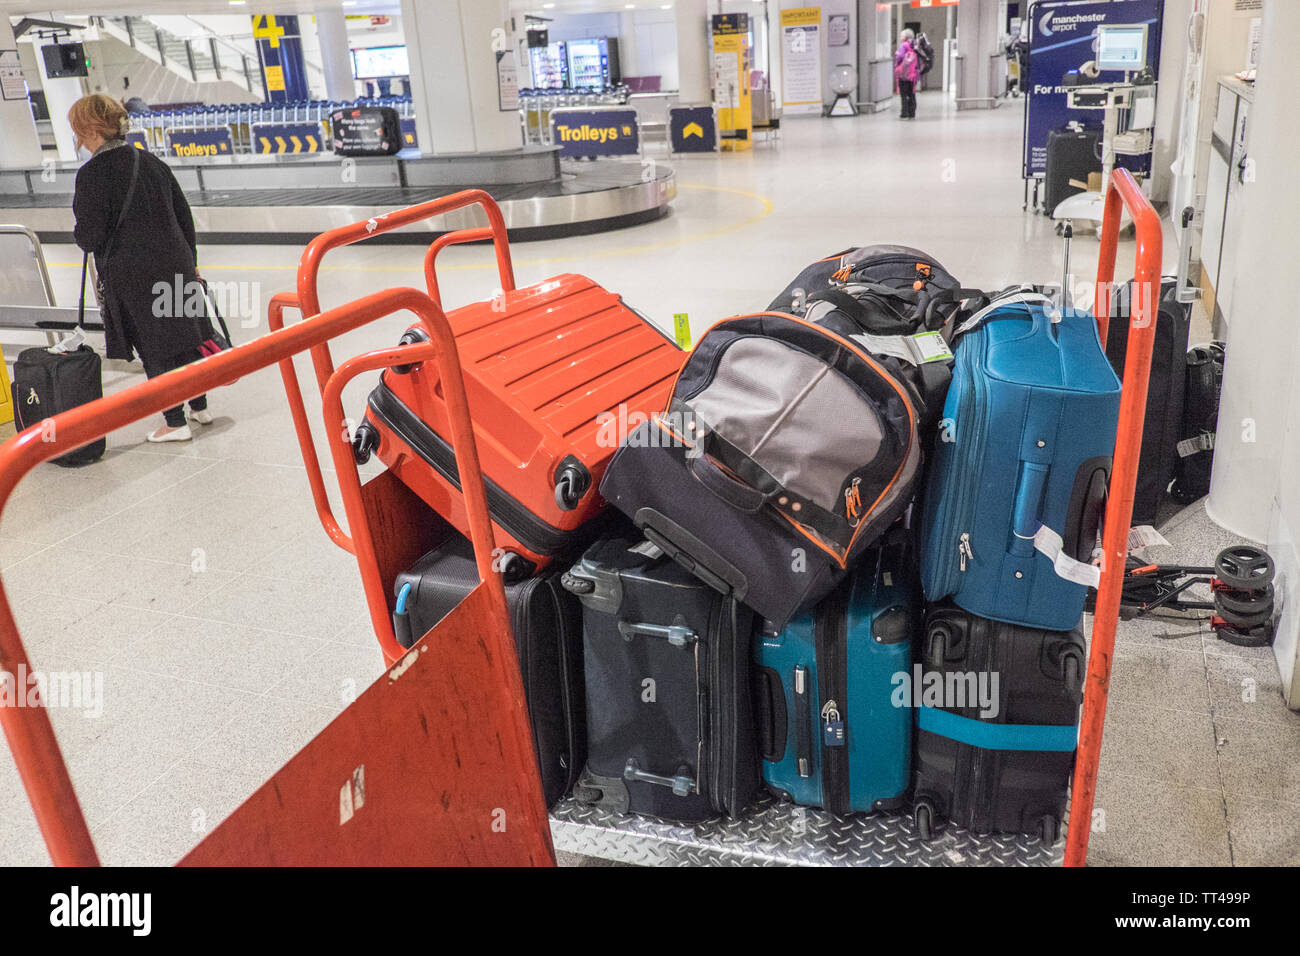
{"x": 869, "y": 320}
{"x": 714, "y": 461}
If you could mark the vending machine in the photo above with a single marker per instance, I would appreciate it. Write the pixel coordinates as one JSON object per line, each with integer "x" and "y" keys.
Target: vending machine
{"x": 594, "y": 62}
{"x": 550, "y": 66}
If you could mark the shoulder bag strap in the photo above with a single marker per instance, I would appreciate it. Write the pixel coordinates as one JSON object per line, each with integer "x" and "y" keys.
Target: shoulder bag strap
{"x": 126, "y": 202}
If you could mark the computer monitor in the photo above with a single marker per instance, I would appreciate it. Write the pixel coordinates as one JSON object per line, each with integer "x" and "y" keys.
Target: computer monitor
{"x": 380, "y": 62}
{"x": 1122, "y": 47}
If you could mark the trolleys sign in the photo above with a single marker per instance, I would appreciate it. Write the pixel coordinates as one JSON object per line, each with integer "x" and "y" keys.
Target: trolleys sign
{"x": 599, "y": 132}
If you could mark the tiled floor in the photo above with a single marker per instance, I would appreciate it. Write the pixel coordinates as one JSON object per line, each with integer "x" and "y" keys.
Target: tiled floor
{"x": 228, "y": 630}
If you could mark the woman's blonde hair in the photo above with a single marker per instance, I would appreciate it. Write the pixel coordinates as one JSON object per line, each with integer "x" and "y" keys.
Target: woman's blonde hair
{"x": 98, "y": 114}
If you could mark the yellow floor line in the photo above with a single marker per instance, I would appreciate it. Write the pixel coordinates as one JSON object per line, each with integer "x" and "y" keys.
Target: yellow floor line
{"x": 607, "y": 254}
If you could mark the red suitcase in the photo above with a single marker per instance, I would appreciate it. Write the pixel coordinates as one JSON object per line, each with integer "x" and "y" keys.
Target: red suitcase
{"x": 543, "y": 366}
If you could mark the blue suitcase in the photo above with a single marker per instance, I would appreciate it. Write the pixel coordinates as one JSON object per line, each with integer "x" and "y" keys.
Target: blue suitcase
{"x": 1018, "y": 478}
{"x": 830, "y": 731}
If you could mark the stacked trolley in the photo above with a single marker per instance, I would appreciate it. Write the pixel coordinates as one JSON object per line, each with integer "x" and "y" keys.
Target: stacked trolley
{"x": 361, "y": 791}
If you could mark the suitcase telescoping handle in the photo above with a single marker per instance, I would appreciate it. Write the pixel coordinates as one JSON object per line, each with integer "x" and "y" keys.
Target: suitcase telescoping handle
{"x": 680, "y": 784}
{"x": 1121, "y": 192}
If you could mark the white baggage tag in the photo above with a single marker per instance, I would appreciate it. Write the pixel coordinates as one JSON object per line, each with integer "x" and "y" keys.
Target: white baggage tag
{"x": 71, "y": 343}
{"x": 1145, "y": 536}
{"x": 894, "y": 345}
{"x": 1049, "y": 543}
{"x": 1190, "y": 446}
{"x": 929, "y": 347}
{"x": 647, "y": 549}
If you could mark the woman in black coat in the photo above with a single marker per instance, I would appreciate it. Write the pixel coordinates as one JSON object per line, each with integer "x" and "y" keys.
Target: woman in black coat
{"x": 133, "y": 217}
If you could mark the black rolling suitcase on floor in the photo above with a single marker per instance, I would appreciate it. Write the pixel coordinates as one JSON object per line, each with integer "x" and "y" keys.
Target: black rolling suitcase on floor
{"x": 1072, "y": 154}
{"x": 1200, "y": 423}
{"x": 1163, "y": 424}
{"x": 46, "y": 383}
{"x": 547, "y": 624}
{"x": 670, "y": 730}
{"x": 999, "y": 758}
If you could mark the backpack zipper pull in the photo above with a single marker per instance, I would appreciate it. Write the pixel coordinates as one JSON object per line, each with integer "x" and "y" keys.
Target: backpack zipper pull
{"x": 964, "y": 549}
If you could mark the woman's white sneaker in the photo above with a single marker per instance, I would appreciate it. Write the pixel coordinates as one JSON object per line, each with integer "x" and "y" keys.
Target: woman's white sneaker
{"x": 203, "y": 417}
{"x": 176, "y": 434}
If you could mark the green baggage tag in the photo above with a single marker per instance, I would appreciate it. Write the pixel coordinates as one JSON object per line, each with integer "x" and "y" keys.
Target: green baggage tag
{"x": 682, "y": 330}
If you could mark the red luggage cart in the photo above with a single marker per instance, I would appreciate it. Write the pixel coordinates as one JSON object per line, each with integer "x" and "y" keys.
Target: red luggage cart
{"x": 370, "y": 788}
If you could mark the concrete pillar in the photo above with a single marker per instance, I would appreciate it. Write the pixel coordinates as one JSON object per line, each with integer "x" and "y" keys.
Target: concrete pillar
{"x": 22, "y": 147}
{"x": 979, "y": 30}
{"x": 453, "y": 46}
{"x": 1169, "y": 98}
{"x": 59, "y": 97}
{"x": 875, "y": 46}
{"x": 629, "y": 56}
{"x": 693, "y": 72}
{"x": 1257, "y": 452}
{"x": 335, "y": 52}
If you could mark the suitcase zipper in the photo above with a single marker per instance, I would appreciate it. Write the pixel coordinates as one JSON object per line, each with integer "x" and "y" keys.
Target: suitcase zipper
{"x": 956, "y": 495}
{"x": 831, "y": 626}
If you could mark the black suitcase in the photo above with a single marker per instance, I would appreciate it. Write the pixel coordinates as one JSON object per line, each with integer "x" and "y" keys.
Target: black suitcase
{"x": 1200, "y": 423}
{"x": 1071, "y": 155}
{"x": 1163, "y": 426}
{"x": 547, "y": 624}
{"x": 1000, "y": 763}
{"x": 46, "y": 383}
{"x": 670, "y": 728}
{"x": 366, "y": 131}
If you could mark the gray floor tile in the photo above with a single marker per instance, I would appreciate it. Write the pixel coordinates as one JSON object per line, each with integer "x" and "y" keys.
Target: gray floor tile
{"x": 1264, "y": 832}
{"x": 1159, "y": 677}
{"x": 1149, "y": 821}
{"x": 1248, "y": 689}
{"x": 1259, "y": 759}
{"x": 260, "y": 739}
{"x": 332, "y": 677}
{"x": 1176, "y": 746}
{"x": 292, "y": 607}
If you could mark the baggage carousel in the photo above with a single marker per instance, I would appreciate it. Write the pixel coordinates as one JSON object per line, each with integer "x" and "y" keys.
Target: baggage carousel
{"x": 778, "y": 833}
{"x": 290, "y": 200}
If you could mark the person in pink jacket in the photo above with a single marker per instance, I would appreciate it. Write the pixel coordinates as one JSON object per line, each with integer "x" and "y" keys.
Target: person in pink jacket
{"x": 907, "y": 70}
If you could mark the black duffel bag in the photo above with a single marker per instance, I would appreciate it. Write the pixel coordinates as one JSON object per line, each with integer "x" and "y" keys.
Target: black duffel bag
{"x": 785, "y": 452}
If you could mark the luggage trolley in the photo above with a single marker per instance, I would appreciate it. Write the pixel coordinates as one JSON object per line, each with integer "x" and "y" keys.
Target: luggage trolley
{"x": 772, "y": 832}
{"x": 366, "y": 790}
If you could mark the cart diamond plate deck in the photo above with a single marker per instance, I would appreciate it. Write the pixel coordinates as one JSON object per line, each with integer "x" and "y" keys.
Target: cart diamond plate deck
{"x": 773, "y": 833}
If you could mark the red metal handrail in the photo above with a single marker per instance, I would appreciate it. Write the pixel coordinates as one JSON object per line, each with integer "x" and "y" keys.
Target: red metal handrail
{"x": 28, "y": 729}
{"x": 1122, "y": 193}
{"x": 310, "y": 263}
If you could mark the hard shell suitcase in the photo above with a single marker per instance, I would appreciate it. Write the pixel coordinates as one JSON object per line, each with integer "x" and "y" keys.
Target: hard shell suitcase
{"x": 785, "y": 453}
{"x": 670, "y": 728}
{"x": 1018, "y": 477}
{"x": 997, "y": 724}
{"x": 830, "y": 731}
{"x": 1072, "y": 155}
{"x": 46, "y": 383}
{"x": 547, "y": 625}
{"x": 557, "y": 374}
{"x": 1200, "y": 423}
{"x": 1163, "y": 422}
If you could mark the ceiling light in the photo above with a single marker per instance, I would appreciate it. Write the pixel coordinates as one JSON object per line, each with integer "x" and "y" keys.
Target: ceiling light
{"x": 238, "y": 3}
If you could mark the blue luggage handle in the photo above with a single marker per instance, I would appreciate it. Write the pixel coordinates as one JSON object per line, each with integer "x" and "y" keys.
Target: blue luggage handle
{"x": 1028, "y": 504}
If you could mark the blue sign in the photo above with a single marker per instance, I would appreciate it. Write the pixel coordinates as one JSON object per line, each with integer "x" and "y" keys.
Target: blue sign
{"x": 199, "y": 143}
{"x": 409, "y": 138}
{"x": 279, "y": 139}
{"x": 590, "y": 133}
{"x": 1062, "y": 39}
{"x": 279, "y": 52}
{"x": 692, "y": 129}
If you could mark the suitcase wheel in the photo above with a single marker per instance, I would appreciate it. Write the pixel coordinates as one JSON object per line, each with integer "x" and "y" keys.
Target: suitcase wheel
{"x": 409, "y": 337}
{"x": 923, "y": 817}
{"x": 571, "y": 482}
{"x": 364, "y": 442}
{"x": 1049, "y": 829}
{"x": 1247, "y": 603}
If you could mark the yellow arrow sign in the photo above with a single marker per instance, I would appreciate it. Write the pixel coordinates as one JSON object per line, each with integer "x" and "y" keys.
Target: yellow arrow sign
{"x": 693, "y": 129}
{"x": 311, "y": 144}
{"x": 266, "y": 144}
{"x": 297, "y": 144}
{"x": 279, "y": 140}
